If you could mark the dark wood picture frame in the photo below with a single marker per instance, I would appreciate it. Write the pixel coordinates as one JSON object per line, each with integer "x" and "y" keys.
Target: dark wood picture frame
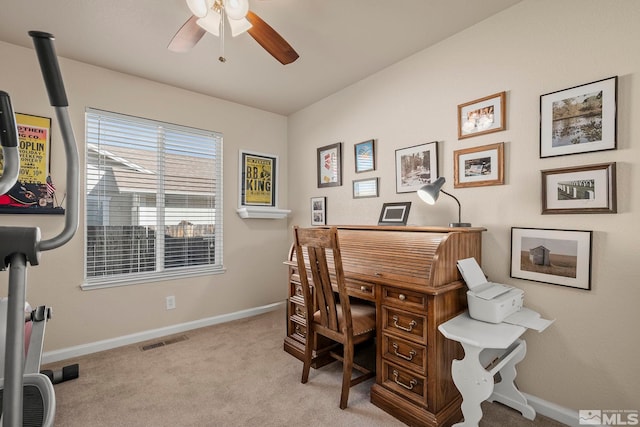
{"x": 580, "y": 189}
{"x": 330, "y": 165}
{"x": 416, "y": 166}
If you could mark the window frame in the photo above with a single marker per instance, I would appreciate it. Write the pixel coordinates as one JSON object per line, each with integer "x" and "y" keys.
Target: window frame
{"x": 160, "y": 273}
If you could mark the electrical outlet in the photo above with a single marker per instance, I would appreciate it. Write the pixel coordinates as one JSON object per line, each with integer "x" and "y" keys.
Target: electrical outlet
{"x": 171, "y": 302}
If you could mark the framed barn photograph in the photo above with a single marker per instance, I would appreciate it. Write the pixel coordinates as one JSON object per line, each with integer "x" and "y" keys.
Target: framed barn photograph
{"x": 580, "y": 189}
{"x": 580, "y": 119}
{"x": 416, "y": 166}
{"x": 559, "y": 257}
{"x": 482, "y": 116}
{"x": 479, "y": 166}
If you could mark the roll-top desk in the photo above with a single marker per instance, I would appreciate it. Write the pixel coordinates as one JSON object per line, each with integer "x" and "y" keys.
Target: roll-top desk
{"x": 410, "y": 274}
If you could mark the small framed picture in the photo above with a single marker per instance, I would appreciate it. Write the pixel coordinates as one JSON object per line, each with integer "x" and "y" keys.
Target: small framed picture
{"x": 318, "y": 211}
{"x": 580, "y": 189}
{"x": 559, "y": 257}
{"x": 330, "y": 165}
{"x": 258, "y": 173}
{"x": 365, "y": 188}
{"x": 365, "y": 156}
{"x": 394, "y": 213}
{"x": 479, "y": 166}
{"x": 482, "y": 116}
{"x": 416, "y": 166}
{"x": 580, "y": 119}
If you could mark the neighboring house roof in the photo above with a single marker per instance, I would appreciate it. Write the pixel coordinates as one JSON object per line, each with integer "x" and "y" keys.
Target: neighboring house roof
{"x": 136, "y": 173}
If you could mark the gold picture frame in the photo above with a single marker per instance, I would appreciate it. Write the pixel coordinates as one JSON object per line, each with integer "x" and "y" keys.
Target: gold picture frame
{"x": 482, "y": 116}
{"x": 479, "y": 166}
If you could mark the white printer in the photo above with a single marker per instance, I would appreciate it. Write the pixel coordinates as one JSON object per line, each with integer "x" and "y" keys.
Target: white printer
{"x": 489, "y": 302}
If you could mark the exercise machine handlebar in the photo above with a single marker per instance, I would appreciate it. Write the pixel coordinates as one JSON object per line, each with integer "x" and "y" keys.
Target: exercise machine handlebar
{"x": 43, "y": 43}
{"x": 9, "y": 143}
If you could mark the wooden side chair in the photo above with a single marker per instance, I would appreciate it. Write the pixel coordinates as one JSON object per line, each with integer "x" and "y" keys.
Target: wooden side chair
{"x": 343, "y": 322}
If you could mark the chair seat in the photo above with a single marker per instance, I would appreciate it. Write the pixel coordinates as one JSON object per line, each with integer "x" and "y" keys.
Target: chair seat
{"x": 363, "y": 317}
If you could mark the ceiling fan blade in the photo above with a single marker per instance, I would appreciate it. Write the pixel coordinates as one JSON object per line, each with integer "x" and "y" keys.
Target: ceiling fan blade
{"x": 187, "y": 36}
{"x": 270, "y": 40}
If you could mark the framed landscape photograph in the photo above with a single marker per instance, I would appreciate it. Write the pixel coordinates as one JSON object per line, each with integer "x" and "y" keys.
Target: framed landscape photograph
{"x": 559, "y": 257}
{"x": 482, "y": 116}
{"x": 258, "y": 173}
{"x": 394, "y": 213}
{"x": 318, "y": 211}
{"x": 365, "y": 156}
{"x": 579, "y": 119}
{"x": 330, "y": 165}
{"x": 479, "y": 166}
{"x": 580, "y": 189}
{"x": 365, "y": 188}
{"x": 416, "y": 166}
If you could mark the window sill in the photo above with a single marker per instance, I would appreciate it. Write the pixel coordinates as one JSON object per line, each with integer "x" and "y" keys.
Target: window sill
{"x": 247, "y": 212}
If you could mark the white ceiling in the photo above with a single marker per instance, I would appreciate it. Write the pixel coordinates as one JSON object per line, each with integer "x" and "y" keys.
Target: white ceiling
{"x": 339, "y": 42}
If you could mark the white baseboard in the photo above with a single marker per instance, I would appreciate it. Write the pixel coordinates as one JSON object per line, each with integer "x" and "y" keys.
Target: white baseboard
{"x": 542, "y": 407}
{"x": 94, "y": 347}
{"x": 553, "y": 411}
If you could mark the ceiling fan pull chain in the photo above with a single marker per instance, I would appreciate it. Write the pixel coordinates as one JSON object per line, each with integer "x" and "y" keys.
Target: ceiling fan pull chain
{"x": 221, "y": 58}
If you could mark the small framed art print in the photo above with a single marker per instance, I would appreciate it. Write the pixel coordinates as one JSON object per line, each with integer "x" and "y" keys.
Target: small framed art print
{"x": 330, "y": 165}
{"x": 365, "y": 156}
{"x": 318, "y": 211}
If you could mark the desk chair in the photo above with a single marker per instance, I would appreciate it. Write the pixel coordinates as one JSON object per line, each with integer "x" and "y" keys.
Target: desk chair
{"x": 343, "y": 322}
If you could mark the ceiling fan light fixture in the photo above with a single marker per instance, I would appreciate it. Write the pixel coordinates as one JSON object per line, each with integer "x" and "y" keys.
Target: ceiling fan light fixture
{"x": 211, "y": 22}
{"x": 238, "y": 26}
{"x": 236, "y": 9}
{"x": 199, "y": 8}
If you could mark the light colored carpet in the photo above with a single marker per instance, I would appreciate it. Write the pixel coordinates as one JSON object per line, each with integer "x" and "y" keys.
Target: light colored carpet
{"x": 232, "y": 374}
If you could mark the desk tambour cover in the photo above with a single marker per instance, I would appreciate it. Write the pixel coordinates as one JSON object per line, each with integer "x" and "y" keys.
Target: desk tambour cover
{"x": 423, "y": 258}
{"x": 410, "y": 274}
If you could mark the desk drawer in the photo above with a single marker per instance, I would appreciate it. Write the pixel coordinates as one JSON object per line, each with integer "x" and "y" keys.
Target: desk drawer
{"x": 404, "y": 299}
{"x": 363, "y": 290}
{"x": 405, "y": 383}
{"x": 404, "y": 324}
{"x": 405, "y": 353}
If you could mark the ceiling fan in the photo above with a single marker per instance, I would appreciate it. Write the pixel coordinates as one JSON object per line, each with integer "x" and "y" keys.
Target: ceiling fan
{"x": 209, "y": 16}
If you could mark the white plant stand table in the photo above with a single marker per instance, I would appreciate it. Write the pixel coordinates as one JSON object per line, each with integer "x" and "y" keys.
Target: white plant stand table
{"x": 488, "y": 349}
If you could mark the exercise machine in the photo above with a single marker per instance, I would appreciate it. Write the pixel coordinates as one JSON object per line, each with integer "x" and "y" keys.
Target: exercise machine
{"x": 22, "y": 245}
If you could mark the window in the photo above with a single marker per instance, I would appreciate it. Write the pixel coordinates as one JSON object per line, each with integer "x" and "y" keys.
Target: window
{"x": 153, "y": 200}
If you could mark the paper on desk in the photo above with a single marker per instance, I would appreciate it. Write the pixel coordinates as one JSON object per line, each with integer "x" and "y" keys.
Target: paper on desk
{"x": 529, "y": 319}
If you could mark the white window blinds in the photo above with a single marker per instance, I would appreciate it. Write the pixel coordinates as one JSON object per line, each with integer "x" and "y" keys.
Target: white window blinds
{"x": 153, "y": 200}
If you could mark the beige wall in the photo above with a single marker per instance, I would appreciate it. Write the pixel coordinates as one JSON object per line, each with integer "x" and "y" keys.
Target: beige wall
{"x": 253, "y": 249}
{"x": 589, "y": 357}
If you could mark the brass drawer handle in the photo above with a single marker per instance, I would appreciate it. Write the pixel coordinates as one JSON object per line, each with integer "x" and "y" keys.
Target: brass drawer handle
{"x": 409, "y": 357}
{"x": 299, "y": 331}
{"x": 409, "y": 329}
{"x": 411, "y": 385}
{"x": 402, "y": 297}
